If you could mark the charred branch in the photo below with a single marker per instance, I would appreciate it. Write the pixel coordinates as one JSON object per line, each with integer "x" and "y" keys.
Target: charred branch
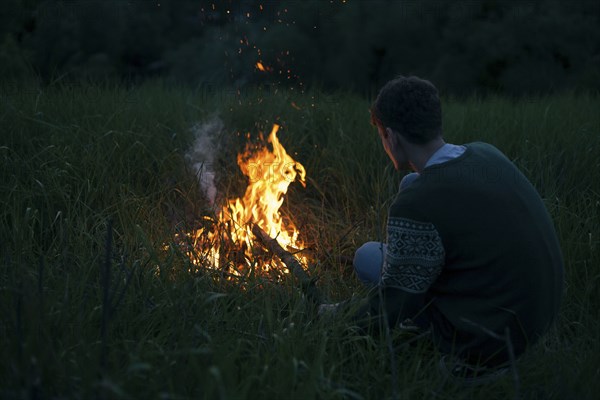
{"x": 309, "y": 288}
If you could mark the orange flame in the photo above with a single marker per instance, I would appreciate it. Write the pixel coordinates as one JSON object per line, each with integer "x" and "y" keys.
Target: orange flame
{"x": 270, "y": 174}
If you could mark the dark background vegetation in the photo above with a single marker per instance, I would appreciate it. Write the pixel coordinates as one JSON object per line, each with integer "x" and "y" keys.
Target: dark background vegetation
{"x": 506, "y": 46}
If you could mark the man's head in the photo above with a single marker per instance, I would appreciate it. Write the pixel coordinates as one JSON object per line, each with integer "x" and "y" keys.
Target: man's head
{"x": 411, "y": 107}
{"x": 408, "y": 115}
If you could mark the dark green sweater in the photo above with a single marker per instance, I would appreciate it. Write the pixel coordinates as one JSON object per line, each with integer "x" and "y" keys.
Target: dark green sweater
{"x": 472, "y": 248}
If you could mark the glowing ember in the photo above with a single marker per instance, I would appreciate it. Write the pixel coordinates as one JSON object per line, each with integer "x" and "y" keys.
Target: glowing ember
{"x": 229, "y": 244}
{"x": 262, "y": 67}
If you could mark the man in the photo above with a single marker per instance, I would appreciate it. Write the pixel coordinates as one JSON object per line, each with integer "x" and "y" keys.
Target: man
{"x": 471, "y": 250}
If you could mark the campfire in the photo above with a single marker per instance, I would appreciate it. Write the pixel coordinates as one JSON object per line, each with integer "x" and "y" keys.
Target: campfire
{"x": 233, "y": 241}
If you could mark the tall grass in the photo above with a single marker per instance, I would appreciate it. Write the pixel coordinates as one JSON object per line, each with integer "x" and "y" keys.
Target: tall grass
{"x": 97, "y": 301}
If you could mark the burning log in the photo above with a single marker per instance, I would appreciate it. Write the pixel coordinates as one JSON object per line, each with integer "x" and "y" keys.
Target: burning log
{"x": 307, "y": 283}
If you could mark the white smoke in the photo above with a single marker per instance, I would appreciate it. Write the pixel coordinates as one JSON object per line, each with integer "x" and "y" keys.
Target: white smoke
{"x": 202, "y": 155}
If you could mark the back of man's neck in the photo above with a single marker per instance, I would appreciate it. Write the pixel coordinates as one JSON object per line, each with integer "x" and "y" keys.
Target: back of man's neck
{"x": 422, "y": 154}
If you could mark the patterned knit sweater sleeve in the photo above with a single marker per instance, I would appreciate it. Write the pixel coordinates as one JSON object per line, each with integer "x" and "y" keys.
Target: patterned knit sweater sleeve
{"x": 413, "y": 260}
{"x": 414, "y": 256}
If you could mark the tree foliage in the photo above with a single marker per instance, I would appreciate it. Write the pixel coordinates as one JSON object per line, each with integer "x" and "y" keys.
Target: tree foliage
{"x": 503, "y": 46}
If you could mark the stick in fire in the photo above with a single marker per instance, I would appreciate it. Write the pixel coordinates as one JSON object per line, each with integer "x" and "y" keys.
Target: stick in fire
{"x": 309, "y": 288}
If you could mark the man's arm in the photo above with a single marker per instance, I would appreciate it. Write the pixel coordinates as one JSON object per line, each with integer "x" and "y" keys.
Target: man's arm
{"x": 413, "y": 261}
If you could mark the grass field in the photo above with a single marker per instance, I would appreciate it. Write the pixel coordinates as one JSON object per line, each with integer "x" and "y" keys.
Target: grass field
{"x": 92, "y": 312}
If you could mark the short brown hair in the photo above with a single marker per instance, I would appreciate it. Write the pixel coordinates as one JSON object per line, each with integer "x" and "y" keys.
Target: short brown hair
{"x": 411, "y": 106}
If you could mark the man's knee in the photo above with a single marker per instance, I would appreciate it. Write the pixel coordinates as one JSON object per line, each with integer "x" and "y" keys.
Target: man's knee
{"x": 368, "y": 261}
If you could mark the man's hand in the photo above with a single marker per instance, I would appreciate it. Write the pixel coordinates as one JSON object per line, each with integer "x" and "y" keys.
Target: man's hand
{"x": 328, "y": 310}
